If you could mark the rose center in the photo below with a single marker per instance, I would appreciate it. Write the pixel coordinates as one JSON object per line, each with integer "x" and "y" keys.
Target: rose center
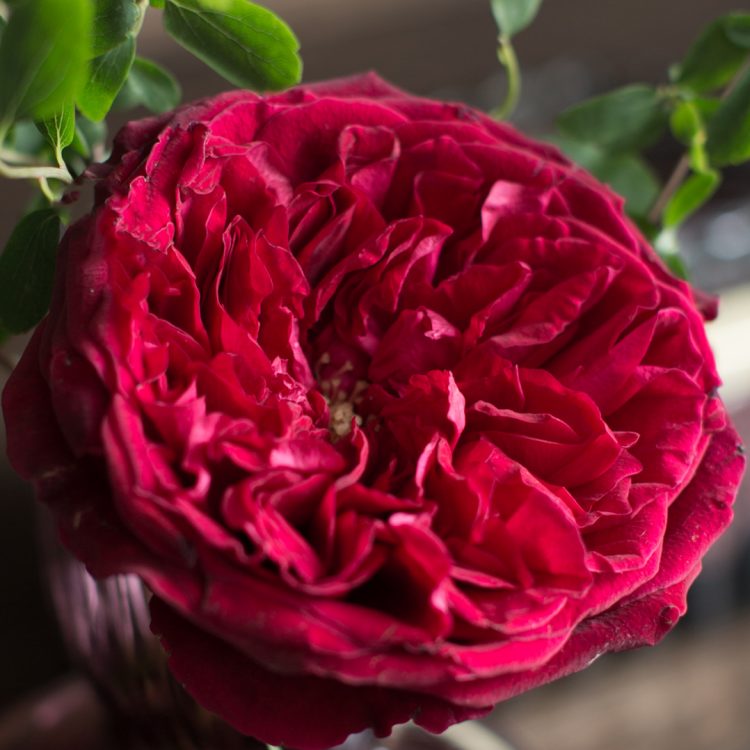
{"x": 342, "y": 415}
{"x": 343, "y": 392}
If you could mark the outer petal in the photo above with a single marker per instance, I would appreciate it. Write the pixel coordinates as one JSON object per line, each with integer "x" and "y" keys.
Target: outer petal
{"x": 295, "y": 711}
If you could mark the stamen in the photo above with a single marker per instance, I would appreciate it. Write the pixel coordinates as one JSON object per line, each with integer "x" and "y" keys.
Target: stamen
{"x": 342, "y": 414}
{"x": 341, "y": 403}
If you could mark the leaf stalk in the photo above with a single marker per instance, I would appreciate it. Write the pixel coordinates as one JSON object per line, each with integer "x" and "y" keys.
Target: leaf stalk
{"x": 508, "y": 59}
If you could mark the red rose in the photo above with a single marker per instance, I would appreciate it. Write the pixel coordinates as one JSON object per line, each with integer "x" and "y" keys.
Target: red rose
{"x": 392, "y": 409}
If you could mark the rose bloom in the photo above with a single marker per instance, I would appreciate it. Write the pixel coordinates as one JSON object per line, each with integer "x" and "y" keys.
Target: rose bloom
{"x": 391, "y": 408}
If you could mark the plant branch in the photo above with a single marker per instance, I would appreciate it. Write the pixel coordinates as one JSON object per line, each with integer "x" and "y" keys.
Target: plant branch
{"x": 673, "y": 183}
{"x": 682, "y": 169}
{"x": 34, "y": 172}
{"x": 737, "y": 78}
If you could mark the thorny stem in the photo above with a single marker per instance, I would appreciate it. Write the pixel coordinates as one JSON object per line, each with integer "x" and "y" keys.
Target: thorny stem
{"x": 682, "y": 169}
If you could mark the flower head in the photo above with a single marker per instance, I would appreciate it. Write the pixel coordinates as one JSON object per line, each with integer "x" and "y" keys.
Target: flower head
{"x": 391, "y": 407}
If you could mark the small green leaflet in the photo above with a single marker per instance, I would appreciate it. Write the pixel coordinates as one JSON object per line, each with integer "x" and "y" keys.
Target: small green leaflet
{"x": 690, "y": 196}
{"x": 627, "y": 119}
{"x": 688, "y": 126}
{"x": 246, "y": 44}
{"x": 43, "y": 56}
{"x": 627, "y": 174}
{"x": 60, "y": 129}
{"x": 107, "y": 76}
{"x": 151, "y": 86}
{"x": 686, "y": 122}
{"x": 717, "y": 55}
{"x": 113, "y": 21}
{"x": 513, "y": 16}
{"x": 27, "y": 269}
{"x": 729, "y": 129}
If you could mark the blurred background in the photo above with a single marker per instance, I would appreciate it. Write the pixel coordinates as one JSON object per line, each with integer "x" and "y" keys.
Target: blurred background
{"x": 693, "y": 691}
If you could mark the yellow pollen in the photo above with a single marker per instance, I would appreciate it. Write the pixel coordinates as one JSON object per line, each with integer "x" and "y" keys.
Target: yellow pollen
{"x": 341, "y": 405}
{"x": 342, "y": 414}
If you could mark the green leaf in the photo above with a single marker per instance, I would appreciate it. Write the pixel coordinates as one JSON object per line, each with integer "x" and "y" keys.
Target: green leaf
{"x": 686, "y": 122}
{"x": 43, "y": 57}
{"x": 688, "y": 127}
{"x": 627, "y": 119}
{"x": 246, "y": 44}
{"x": 717, "y": 55}
{"x": 113, "y": 21}
{"x": 738, "y": 30}
{"x": 707, "y": 107}
{"x": 79, "y": 145}
{"x": 60, "y": 129}
{"x": 157, "y": 3}
{"x": 699, "y": 159}
{"x": 24, "y": 138}
{"x": 729, "y": 129}
{"x": 630, "y": 176}
{"x": 627, "y": 174}
{"x": 513, "y": 16}
{"x": 690, "y": 196}
{"x": 108, "y": 74}
{"x": 27, "y": 268}
{"x": 78, "y": 154}
{"x": 151, "y": 86}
